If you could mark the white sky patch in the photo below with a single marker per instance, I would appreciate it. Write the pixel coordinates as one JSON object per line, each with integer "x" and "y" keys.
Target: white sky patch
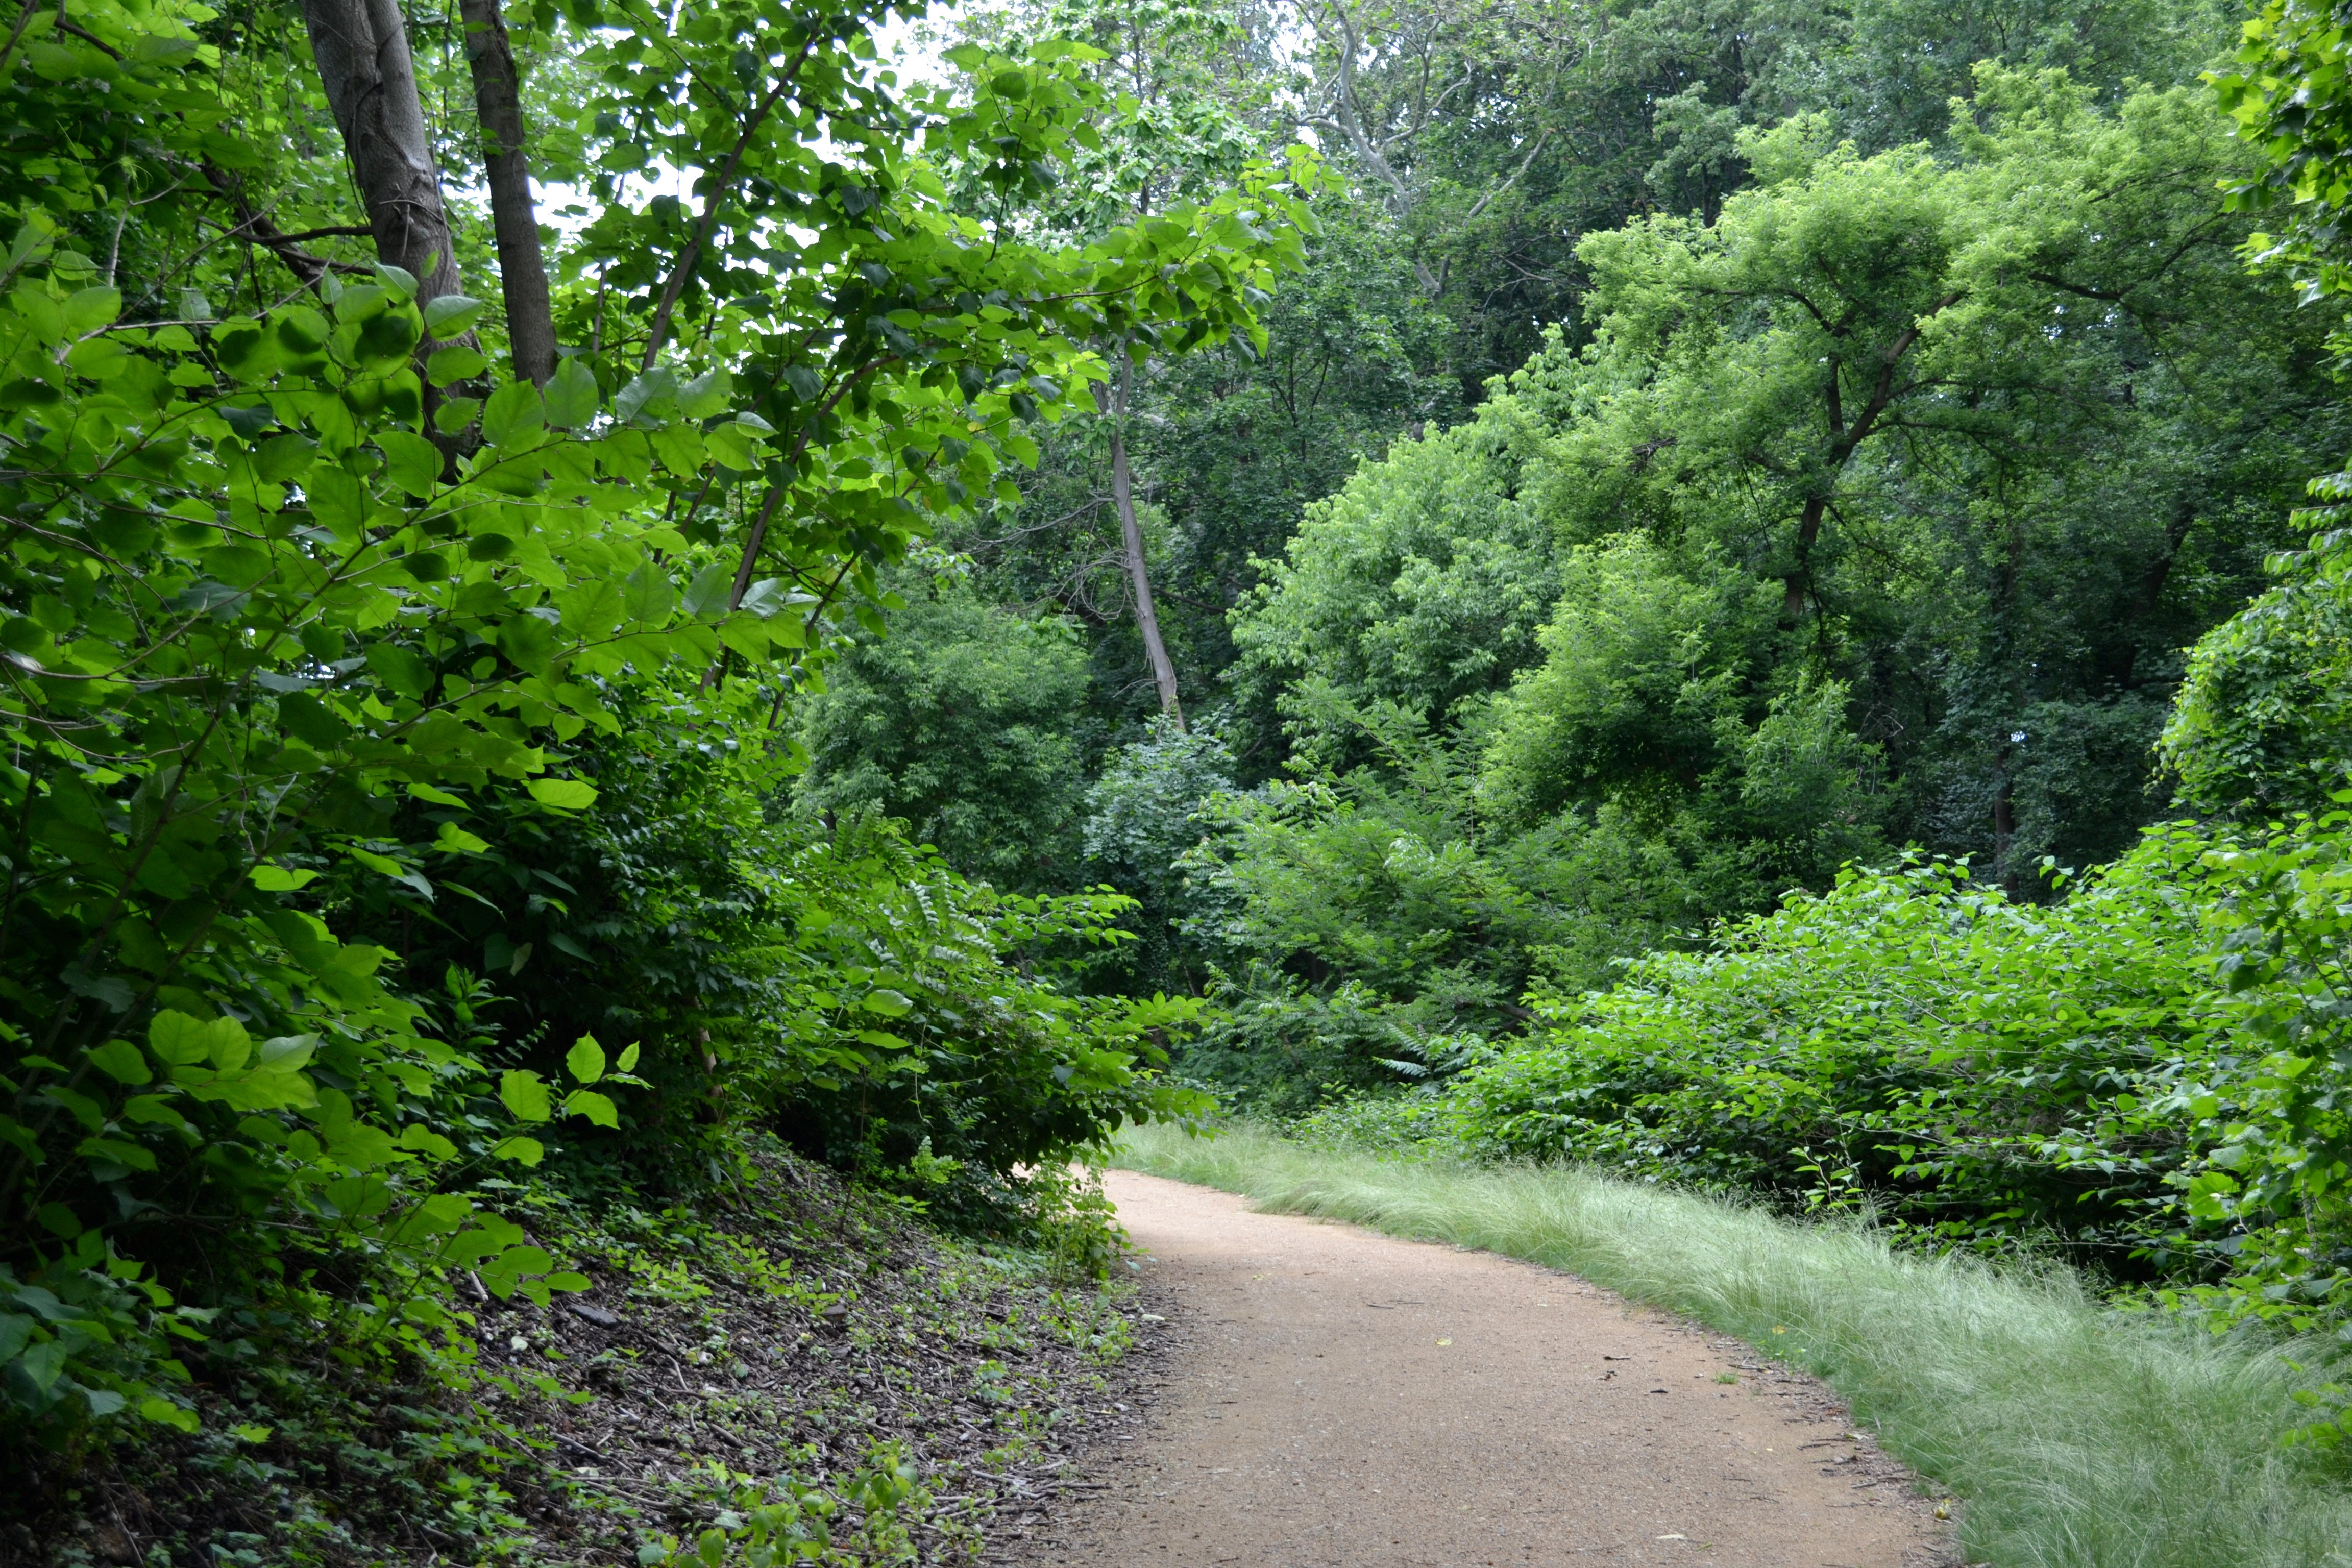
{"x": 911, "y": 50}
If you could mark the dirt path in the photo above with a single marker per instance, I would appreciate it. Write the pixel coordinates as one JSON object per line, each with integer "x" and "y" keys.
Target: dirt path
{"x": 1335, "y": 1397}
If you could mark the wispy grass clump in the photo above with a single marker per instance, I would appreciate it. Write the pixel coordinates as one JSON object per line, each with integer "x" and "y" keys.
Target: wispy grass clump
{"x": 2074, "y": 1433}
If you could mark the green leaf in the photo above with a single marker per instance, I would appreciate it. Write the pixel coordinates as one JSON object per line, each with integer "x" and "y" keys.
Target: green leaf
{"x": 585, "y": 1061}
{"x": 447, "y": 367}
{"x": 163, "y": 1413}
{"x": 436, "y": 793}
{"x": 646, "y": 594}
{"x": 732, "y": 447}
{"x": 747, "y": 635}
{"x": 178, "y": 1038}
{"x": 563, "y": 795}
{"x": 628, "y": 1062}
{"x": 245, "y": 351}
{"x": 400, "y": 668}
{"x": 522, "y": 1150}
{"x": 515, "y": 1262}
{"x": 227, "y": 1043}
{"x": 92, "y": 308}
{"x": 43, "y": 1364}
{"x": 286, "y": 1052}
{"x": 571, "y": 396}
{"x": 152, "y": 1111}
{"x": 128, "y": 1154}
{"x": 649, "y": 394}
{"x": 122, "y": 1061}
{"x": 524, "y": 1094}
{"x": 363, "y": 1147}
{"x": 412, "y": 462}
{"x": 889, "y": 1003}
{"x": 705, "y": 397}
{"x": 513, "y": 414}
{"x": 336, "y": 501}
{"x": 597, "y": 1108}
{"x": 99, "y": 358}
{"x": 279, "y": 879}
{"x": 385, "y": 865}
{"x": 302, "y": 331}
{"x": 529, "y": 641}
{"x": 446, "y": 315}
{"x": 287, "y": 456}
{"x": 384, "y": 342}
{"x": 705, "y": 597}
{"x": 456, "y": 840}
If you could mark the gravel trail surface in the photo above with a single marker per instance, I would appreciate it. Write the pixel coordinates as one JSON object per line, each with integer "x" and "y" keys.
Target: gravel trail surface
{"x": 1332, "y": 1397}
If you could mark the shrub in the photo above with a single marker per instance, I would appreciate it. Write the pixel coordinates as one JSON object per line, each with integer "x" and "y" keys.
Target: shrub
{"x": 1974, "y": 1069}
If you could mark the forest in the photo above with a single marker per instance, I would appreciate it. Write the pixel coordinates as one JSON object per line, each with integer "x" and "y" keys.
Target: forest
{"x": 609, "y": 609}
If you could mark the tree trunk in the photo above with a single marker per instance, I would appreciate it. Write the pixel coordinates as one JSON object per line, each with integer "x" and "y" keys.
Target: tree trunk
{"x": 522, "y": 269}
{"x": 1122, "y": 495}
{"x": 361, "y": 48}
{"x": 1800, "y": 581}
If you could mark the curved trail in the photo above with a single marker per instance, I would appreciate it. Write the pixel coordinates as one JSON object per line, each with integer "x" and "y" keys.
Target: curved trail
{"x": 1337, "y": 1397}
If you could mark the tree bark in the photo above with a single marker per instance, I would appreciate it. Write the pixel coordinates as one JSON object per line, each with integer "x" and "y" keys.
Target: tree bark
{"x": 1122, "y": 496}
{"x": 361, "y": 48}
{"x": 514, "y": 218}
{"x": 1845, "y": 440}
{"x": 2004, "y": 827}
{"x": 1799, "y": 581}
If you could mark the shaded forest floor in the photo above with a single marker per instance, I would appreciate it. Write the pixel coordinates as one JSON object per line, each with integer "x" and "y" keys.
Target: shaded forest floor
{"x": 786, "y": 1333}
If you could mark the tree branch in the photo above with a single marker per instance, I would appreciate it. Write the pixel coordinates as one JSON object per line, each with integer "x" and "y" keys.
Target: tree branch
{"x": 659, "y": 332}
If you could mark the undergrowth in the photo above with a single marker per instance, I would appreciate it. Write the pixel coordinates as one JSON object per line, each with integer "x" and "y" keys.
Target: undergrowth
{"x": 2076, "y": 1433}
{"x": 788, "y": 1369}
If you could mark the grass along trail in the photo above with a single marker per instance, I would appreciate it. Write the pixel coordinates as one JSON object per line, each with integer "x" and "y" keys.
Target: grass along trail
{"x": 1339, "y": 1398}
{"x": 2073, "y": 1434}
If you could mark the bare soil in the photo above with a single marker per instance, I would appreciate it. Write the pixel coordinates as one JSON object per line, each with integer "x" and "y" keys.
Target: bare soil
{"x": 1331, "y": 1396}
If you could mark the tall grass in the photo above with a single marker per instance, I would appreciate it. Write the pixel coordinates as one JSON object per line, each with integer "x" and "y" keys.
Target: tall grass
{"x": 2073, "y": 1433}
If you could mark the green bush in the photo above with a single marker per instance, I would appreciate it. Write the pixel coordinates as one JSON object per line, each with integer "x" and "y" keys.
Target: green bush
{"x": 1961, "y": 1064}
{"x": 325, "y": 650}
{"x": 959, "y": 720}
{"x": 1148, "y": 811}
{"x": 2264, "y": 721}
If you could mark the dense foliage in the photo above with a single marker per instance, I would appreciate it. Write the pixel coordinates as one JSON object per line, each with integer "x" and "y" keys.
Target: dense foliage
{"x": 382, "y": 729}
{"x": 1652, "y": 629}
{"x": 1880, "y": 448}
{"x": 961, "y": 722}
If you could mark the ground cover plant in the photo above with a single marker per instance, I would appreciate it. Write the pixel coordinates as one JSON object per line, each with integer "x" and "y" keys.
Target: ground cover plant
{"x": 907, "y": 1387}
{"x": 2074, "y": 1434}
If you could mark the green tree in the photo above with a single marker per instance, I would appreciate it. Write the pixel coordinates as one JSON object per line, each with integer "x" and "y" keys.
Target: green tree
{"x": 2290, "y": 94}
{"x": 1422, "y": 582}
{"x": 1144, "y": 815}
{"x": 1495, "y": 137}
{"x": 958, "y": 718}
